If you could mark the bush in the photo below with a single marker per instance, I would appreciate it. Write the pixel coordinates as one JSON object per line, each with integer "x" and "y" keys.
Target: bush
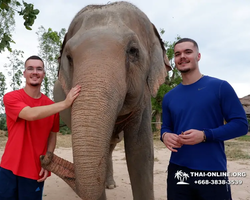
{"x": 3, "y": 125}
{"x": 64, "y": 129}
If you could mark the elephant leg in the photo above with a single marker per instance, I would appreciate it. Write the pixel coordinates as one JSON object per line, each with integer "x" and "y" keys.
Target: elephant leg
{"x": 103, "y": 196}
{"x": 140, "y": 159}
{"x": 110, "y": 182}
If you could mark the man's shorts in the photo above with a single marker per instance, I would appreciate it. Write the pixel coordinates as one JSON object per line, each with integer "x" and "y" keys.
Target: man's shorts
{"x": 187, "y": 184}
{"x": 14, "y": 187}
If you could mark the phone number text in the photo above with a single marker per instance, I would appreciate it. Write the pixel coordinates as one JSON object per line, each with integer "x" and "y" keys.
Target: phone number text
{"x": 218, "y": 182}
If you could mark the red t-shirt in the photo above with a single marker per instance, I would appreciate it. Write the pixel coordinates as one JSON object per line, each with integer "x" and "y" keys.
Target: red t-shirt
{"x": 27, "y": 140}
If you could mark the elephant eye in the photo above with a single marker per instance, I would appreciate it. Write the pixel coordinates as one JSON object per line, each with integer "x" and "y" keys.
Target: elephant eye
{"x": 70, "y": 60}
{"x": 133, "y": 53}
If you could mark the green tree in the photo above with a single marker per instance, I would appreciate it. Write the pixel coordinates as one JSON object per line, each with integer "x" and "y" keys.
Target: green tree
{"x": 8, "y": 8}
{"x": 49, "y": 50}
{"x": 3, "y": 88}
{"x": 50, "y": 43}
{"x": 3, "y": 125}
{"x": 15, "y": 69}
{"x": 171, "y": 81}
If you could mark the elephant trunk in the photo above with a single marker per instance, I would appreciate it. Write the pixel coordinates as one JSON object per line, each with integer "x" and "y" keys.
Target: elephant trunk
{"x": 62, "y": 168}
{"x": 93, "y": 117}
{"x": 91, "y": 138}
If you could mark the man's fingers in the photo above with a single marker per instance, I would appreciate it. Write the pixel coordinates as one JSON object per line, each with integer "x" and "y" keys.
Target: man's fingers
{"x": 41, "y": 180}
{"x": 44, "y": 173}
{"x": 172, "y": 149}
{"x": 188, "y": 141}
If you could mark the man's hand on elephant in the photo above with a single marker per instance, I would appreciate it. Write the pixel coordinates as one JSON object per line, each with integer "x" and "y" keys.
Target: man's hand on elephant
{"x": 73, "y": 93}
{"x": 44, "y": 174}
{"x": 191, "y": 137}
{"x": 171, "y": 141}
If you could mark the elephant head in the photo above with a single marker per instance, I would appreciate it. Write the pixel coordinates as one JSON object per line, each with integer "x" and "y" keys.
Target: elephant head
{"x": 117, "y": 56}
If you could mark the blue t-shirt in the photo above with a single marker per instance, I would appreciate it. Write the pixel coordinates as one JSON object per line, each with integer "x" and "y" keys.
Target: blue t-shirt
{"x": 204, "y": 105}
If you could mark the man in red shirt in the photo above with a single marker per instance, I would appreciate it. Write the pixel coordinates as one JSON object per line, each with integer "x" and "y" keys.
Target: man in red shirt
{"x": 32, "y": 122}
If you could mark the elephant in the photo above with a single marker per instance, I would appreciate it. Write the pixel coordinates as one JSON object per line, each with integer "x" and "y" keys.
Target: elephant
{"x": 118, "y": 58}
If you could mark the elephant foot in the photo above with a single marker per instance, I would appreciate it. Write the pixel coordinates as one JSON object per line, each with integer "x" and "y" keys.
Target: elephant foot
{"x": 110, "y": 184}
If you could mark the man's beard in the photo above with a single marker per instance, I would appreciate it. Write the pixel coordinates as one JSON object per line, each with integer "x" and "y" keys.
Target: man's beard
{"x": 35, "y": 84}
{"x": 184, "y": 71}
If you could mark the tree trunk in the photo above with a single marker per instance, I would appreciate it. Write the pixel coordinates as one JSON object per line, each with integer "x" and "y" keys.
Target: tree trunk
{"x": 158, "y": 121}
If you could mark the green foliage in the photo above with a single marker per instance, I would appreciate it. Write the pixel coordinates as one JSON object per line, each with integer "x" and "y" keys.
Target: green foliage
{"x": 29, "y": 14}
{"x": 15, "y": 68}
{"x": 7, "y": 25}
{"x": 3, "y": 125}
{"x": 3, "y": 88}
{"x": 49, "y": 50}
{"x": 8, "y": 8}
{"x": 5, "y": 42}
{"x": 64, "y": 129}
{"x": 16, "y": 80}
{"x": 156, "y": 102}
{"x": 46, "y": 86}
{"x": 244, "y": 138}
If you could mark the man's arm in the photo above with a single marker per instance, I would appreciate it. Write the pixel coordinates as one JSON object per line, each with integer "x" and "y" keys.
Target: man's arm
{"x": 40, "y": 112}
{"x": 234, "y": 115}
{"x": 51, "y": 147}
{"x": 52, "y": 142}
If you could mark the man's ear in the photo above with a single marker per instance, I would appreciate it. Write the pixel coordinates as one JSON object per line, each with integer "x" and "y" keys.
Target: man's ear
{"x": 199, "y": 56}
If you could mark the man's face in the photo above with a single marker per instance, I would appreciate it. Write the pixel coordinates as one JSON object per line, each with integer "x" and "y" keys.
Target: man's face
{"x": 186, "y": 57}
{"x": 34, "y": 72}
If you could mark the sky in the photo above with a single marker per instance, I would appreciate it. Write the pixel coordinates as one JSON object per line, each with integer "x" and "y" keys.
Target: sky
{"x": 220, "y": 27}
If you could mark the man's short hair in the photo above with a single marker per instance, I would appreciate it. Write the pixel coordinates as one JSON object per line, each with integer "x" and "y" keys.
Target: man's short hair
{"x": 34, "y": 57}
{"x": 187, "y": 40}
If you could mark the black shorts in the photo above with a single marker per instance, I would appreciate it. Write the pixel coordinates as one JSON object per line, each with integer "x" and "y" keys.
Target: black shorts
{"x": 14, "y": 187}
{"x": 187, "y": 184}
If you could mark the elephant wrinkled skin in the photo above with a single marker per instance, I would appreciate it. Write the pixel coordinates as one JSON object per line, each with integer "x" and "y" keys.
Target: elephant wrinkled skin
{"x": 117, "y": 56}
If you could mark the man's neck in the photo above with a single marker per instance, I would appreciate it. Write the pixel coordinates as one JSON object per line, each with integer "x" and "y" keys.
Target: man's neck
{"x": 190, "y": 78}
{"x": 33, "y": 91}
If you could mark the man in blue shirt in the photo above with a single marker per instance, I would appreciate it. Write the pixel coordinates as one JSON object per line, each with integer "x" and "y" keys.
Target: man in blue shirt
{"x": 194, "y": 129}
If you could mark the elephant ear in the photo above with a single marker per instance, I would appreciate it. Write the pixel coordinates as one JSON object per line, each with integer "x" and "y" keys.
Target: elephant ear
{"x": 60, "y": 88}
{"x": 61, "y": 51}
{"x": 59, "y": 95}
{"x": 64, "y": 73}
{"x": 159, "y": 64}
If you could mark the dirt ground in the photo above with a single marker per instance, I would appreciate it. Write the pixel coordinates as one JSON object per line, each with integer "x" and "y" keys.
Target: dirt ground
{"x": 56, "y": 189}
